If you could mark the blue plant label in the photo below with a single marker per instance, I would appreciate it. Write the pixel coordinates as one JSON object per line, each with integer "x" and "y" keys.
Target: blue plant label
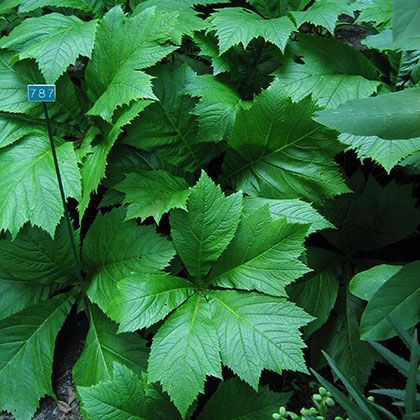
{"x": 41, "y": 93}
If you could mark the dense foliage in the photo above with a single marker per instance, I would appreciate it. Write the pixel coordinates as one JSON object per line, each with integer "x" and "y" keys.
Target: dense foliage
{"x": 241, "y": 187}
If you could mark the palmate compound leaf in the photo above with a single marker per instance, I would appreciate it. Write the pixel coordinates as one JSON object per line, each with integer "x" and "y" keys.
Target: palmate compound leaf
{"x": 113, "y": 248}
{"x": 386, "y": 153}
{"x": 26, "y": 355}
{"x": 323, "y": 13}
{"x": 235, "y": 400}
{"x": 28, "y": 183}
{"x": 262, "y": 256}
{"x": 258, "y": 332}
{"x": 236, "y": 25}
{"x": 144, "y": 299}
{"x": 152, "y": 193}
{"x": 123, "y": 46}
{"x": 390, "y": 116}
{"x": 103, "y": 347}
{"x": 330, "y": 82}
{"x": 278, "y": 152}
{"x": 54, "y": 40}
{"x": 203, "y": 232}
{"x": 167, "y": 127}
{"x": 184, "y": 351}
{"x": 34, "y": 256}
{"x": 217, "y": 109}
{"x": 295, "y": 211}
{"x": 125, "y": 397}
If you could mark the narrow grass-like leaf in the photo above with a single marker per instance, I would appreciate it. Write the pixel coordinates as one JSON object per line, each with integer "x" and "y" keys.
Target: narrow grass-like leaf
{"x": 352, "y": 389}
{"x": 351, "y": 408}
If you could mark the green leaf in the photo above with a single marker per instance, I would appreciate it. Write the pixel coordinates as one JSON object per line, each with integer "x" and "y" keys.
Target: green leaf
{"x": 346, "y": 347}
{"x": 217, "y": 109}
{"x": 63, "y": 113}
{"x": 397, "y": 362}
{"x": 366, "y": 283}
{"x": 373, "y": 218}
{"x": 153, "y": 193}
{"x": 54, "y": 40}
{"x": 390, "y": 116}
{"x": 343, "y": 399}
{"x": 203, "y": 232}
{"x": 28, "y": 184}
{"x": 13, "y": 128}
{"x": 405, "y": 24}
{"x": 398, "y": 298}
{"x": 103, "y": 347}
{"x": 113, "y": 248}
{"x": 388, "y": 153}
{"x": 258, "y": 332}
{"x": 184, "y": 351}
{"x": 26, "y": 355}
{"x": 295, "y": 211}
{"x": 187, "y": 20}
{"x": 16, "y": 294}
{"x": 209, "y": 48}
{"x": 125, "y": 397}
{"x": 93, "y": 7}
{"x": 236, "y": 25}
{"x": 167, "y": 127}
{"x": 279, "y": 152}
{"x": 262, "y": 256}
{"x": 234, "y": 400}
{"x": 125, "y": 45}
{"x": 323, "y": 13}
{"x": 34, "y": 256}
{"x": 13, "y": 93}
{"x": 353, "y": 390}
{"x": 379, "y": 12}
{"x": 330, "y": 82}
{"x": 382, "y": 41}
{"x": 144, "y": 299}
{"x": 8, "y": 5}
{"x": 93, "y": 168}
{"x": 317, "y": 293}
